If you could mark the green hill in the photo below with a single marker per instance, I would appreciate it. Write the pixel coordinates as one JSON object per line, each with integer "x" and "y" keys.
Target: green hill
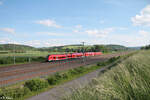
{"x": 66, "y": 48}
{"x": 116, "y": 47}
{"x": 6, "y": 47}
{"x": 79, "y": 48}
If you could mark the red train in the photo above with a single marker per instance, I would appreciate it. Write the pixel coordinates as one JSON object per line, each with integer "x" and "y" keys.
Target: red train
{"x": 55, "y": 57}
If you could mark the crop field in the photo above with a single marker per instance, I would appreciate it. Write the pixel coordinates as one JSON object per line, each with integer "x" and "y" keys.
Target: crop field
{"x": 28, "y": 54}
{"x": 7, "y": 58}
{"x": 128, "y": 80}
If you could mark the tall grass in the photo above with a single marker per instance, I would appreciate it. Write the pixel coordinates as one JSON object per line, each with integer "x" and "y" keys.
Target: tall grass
{"x": 129, "y": 80}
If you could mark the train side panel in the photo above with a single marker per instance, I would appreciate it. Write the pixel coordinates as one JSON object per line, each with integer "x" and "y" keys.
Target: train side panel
{"x": 70, "y": 56}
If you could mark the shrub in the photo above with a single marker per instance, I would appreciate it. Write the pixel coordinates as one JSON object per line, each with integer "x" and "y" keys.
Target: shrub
{"x": 52, "y": 80}
{"x": 107, "y": 62}
{"x": 14, "y": 93}
{"x": 72, "y": 72}
{"x": 80, "y": 69}
{"x": 58, "y": 76}
{"x": 36, "y": 84}
{"x": 65, "y": 75}
{"x": 113, "y": 59}
{"x": 39, "y": 59}
{"x": 101, "y": 63}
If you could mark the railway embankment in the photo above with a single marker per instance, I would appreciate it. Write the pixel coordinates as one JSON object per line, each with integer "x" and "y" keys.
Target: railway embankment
{"x": 27, "y": 90}
{"x": 129, "y": 80}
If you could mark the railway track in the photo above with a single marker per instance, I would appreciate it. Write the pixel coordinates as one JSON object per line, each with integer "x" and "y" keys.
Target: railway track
{"x": 13, "y": 74}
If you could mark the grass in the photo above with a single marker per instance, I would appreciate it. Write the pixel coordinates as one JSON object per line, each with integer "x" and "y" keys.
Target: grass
{"x": 129, "y": 80}
{"x": 23, "y": 58}
{"x": 10, "y": 60}
{"x": 30, "y": 54}
{"x": 60, "y": 78}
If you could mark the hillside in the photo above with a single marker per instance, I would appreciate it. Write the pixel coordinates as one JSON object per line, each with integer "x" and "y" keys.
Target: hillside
{"x": 67, "y": 48}
{"x": 86, "y": 47}
{"x": 116, "y": 47}
{"x": 128, "y": 80}
{"x": 5, "y": 47}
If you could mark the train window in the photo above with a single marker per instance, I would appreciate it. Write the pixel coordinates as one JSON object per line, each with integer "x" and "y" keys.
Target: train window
{"x": 62, "y": 57}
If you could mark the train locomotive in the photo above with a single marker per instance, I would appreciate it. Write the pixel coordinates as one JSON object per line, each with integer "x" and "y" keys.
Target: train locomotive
{"x": 59, "y": 57}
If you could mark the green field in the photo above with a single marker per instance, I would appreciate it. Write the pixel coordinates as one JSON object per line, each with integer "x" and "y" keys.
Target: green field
{"x": 129, "y": 80}
{"x": 29, "y": 54}
{"x": 7, "y": 58}
{"x": 20, "y": 54}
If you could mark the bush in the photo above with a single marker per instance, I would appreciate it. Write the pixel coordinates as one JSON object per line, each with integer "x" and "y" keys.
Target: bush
{"x": 72, "y": 72}
{"x": 102, "y": 64}
{"x": 80, "y": 69}
{"x": 52, "y": 80}
{"x": 113, "y": 59}
{"x": 36, "y": 84}
{"x": 109, "y": 61}
{"x": 6, "y": 60}
{"x": 65, "y": 75}
{"x": 39, "y": 59}
{"x": 58, "y": 76}
{"x": 14, "y": 93}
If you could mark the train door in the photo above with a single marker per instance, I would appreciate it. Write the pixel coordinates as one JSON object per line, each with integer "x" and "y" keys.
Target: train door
{"x": 57, "y": 58}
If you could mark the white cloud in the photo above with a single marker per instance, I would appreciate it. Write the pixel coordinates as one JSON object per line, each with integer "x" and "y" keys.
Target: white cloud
{"x": 102, "y": 21}
{"x": 8, "y": 30}
{"x": 51, "y": 33}
{"x": 45, "y": 43}
{"x": 76, "y": 31}
{"x": 144, "y": 33}
{"x": 122, "y": 28}
{"x": 4, "y": 40}
{"x": 1, "y": 2}
{"x": 35, "y": 43}
{"x": 120, "y": 39}
{"x": 143, "y": 18}
{"x": 8, "y": 41}
{"x": 49, "y": 23}
{"x": 99, "y": 33}
{"x": 78, "y": 26}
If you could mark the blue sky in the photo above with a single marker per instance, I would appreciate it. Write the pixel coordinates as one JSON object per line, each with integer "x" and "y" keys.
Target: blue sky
{"x": 43, "y": 23}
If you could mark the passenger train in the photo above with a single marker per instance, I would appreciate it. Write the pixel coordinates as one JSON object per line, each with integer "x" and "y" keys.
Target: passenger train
{"x": 58, "y": 57}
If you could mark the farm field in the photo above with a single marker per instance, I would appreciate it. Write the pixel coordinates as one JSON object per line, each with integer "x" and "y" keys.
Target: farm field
{"x": 29, "y": 54}
{"x": 128, "y": 80}
{"x": 21, "y": 58}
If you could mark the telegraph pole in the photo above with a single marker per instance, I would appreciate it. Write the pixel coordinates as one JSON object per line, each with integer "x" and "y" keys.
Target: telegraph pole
{"x": 83, "y": 51}
{"x": 14, "y": 55}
